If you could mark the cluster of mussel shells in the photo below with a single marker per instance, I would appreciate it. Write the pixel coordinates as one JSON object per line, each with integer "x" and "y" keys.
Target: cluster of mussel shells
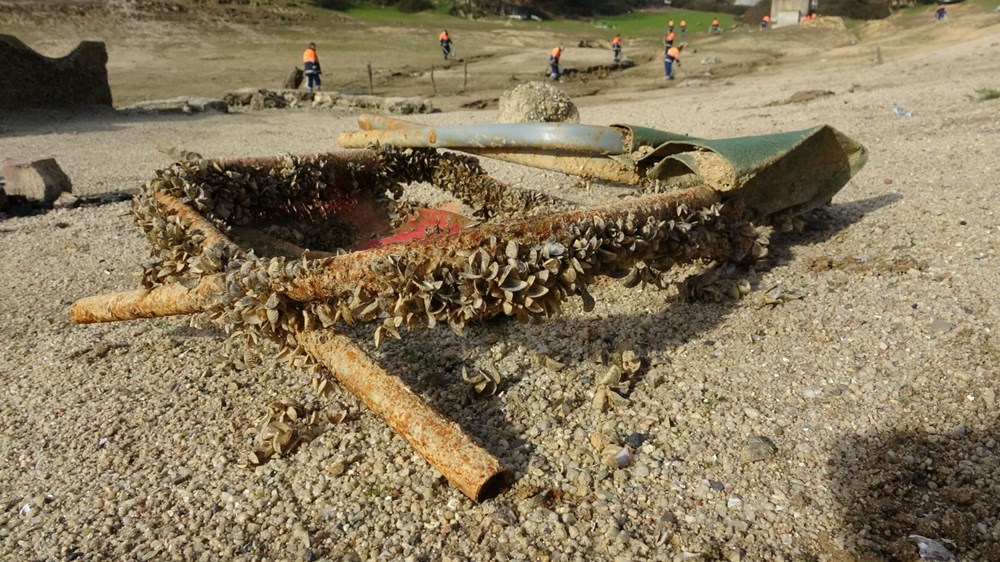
{"x": 462, "y": 176}
{"x": 236, "y": 193}
{"x": 528, "y": 280}
{"x": 286, "y": 425}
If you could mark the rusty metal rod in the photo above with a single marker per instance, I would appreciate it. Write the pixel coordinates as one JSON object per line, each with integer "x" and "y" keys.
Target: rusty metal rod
{"x": 165, "y": 300}
{"x": 441, "y": 442}
{"x": 591, "y": 167}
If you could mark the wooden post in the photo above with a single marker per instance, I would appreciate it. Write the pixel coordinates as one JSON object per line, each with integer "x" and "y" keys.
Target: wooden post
{"x": 465, "y": 77}
{"x": 433, "y": 84}
{"x": 878, "y": 54}
{"x": 371, "y": 83}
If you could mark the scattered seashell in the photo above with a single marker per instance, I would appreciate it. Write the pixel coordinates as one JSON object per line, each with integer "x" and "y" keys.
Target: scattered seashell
{"x": 757, "y": 448}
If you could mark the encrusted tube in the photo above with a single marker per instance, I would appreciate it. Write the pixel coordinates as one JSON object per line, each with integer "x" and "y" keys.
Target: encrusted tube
{"x": 441, "y": 442}
{"x": 166, "y": 300}
{"x": 564, "y": 138}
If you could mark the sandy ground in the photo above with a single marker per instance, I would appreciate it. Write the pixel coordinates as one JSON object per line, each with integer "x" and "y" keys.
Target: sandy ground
{"x": 878, "y": 386}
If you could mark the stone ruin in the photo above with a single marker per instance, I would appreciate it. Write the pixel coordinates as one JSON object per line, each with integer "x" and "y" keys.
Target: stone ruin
{"x": 31, "y": 80}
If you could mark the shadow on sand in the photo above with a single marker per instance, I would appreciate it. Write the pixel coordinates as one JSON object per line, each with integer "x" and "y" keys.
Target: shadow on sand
{"x": 436, "y": 375}
{"x": 945, "y": 487}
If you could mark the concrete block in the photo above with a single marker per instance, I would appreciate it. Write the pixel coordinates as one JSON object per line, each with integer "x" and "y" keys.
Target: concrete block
{"x": 40, "y": 180}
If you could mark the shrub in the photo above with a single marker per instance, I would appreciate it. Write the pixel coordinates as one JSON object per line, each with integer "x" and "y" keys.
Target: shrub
{"x": 413, "y": 6}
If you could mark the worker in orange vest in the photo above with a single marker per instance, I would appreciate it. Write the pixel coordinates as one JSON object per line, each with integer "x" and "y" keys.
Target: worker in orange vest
{"x": 310, "y": 62}
{"x": 445, "y": 41}
{"x": 765, "y": 22}
{"x": 715, "y": 26}
{"x": 616, "y": 47}
{"x": 673, "y": 56}
{"x": 684, "y": 25}
{"x": 670, "y": 25}
{"x": 554, "y": 62}
{"x": 668, "y": 41}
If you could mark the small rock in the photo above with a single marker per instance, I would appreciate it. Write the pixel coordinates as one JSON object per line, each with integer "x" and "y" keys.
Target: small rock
{"x": 299, "y": 532}
{"x": 939, "y": 325}
{"x": 711, "y": 60}
{"x": 617, "y": 457}
{"x": 600, "y": 441}
{"x": 66, "y": 200}
{"x": 635, "y": 440}
{"x": 757, "y": 448}
{"x": 808, "y": 95}
{"x": 39, "y": 180}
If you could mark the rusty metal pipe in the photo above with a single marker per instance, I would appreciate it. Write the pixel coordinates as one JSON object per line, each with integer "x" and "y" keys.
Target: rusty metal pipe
{"x": 371, "y": 122}
{"x": 166, "y": 300}
{"x": 441, "y": 442}
{"x": 561, "y": 138}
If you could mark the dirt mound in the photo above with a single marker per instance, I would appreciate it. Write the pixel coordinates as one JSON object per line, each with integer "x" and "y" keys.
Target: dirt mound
{"x": 28, "y": 79}
{"x": 536, "y": 102}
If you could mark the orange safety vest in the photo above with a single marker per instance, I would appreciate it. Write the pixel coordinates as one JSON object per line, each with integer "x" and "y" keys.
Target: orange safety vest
{"x": 674, "y": 53}
{"x": 556, "y": 53}
{"x": 683, "y": 23}
{"x": 444, "y": 37}
{"x": 310, "y": 56}
{"x": 670, "y": 37}
{"x": 670, "y": 23}
{"x": 616, "y": 41}
{"x": 767, "y": 19}
{"x": 715, "y": 22}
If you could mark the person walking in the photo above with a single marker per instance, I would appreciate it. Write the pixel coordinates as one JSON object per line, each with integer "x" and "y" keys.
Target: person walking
{"x": 715, "y": 26}
{"x": 310, "y": 63}
{"x": 673, "y": 56}
{"x": 668, "y": 41}
{"x": 670, "y": 26}
{"x": 765, "y": 22}
{"x": 616, "y": 47}
{"x": 940, "y": 14}
{"x": 684, "y": 25}
{"x": 445, "y": 41}
{"x": 554, "y": 62}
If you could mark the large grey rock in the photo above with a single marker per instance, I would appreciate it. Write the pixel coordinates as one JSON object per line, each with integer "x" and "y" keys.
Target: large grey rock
{"x": 266, "y": 99}
{"x": 294, "y": 79}
{"x": 39, "y": 180}
{"x": 29, "y": 79}
{"x": 536, "y": 102}
{"x": 183, "y": 104}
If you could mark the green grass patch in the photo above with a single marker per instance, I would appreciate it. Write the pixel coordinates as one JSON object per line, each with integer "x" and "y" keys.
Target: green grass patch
{"x": 645, "y": 24}
{"x": 988, "y": 94}
{"x": 389, "y": 14}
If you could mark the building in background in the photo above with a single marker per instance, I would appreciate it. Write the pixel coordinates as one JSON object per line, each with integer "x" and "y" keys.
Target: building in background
{"x": 791, "y": 12}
